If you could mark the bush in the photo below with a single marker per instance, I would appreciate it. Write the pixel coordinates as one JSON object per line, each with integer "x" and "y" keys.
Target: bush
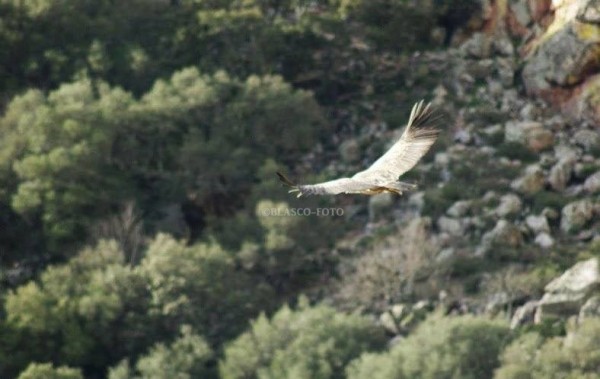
{"x": 187, "y": 357}
{"x": 393, "y": 24}
{"x": 293, "y": 249}
{"x": 77, "y": 311}
{"x": 199, "y": 285}
{"x": 515, "y": 150}
{"x": 386, "y": 272}
{"x": 573, "y": 356}
{"x": 521, "y": 282}
{"x": 544, "y": 199}
{"x": 438, "y": 200}
{"x": 47, "y": 371}
{"x": 95, "y": 310}
{"x": 309, "y": 342}
{"x": 518, "y": 356}
{"x": 13, "y": 358}
{"x": 463, "y": 347}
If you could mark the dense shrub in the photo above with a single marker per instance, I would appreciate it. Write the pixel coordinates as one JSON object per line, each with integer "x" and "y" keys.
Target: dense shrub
{"x": 464, "y": 347}
{"x": 47, "y": 371}
{"x": 386, "y": 272}
{"x": 88, "y": 312}
{"x": 95, "y": 310}
{"x": 393, "y": 24}
{"x": 573, "y": 356}
{"x": 187, "y": 357}
{"x": 199, "y": 285}
{"x": 515, "y": 150}
{"x": 309, "y": 342}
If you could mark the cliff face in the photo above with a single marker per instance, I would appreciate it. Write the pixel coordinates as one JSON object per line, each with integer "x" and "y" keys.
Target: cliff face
{"x": 560, "y": 50}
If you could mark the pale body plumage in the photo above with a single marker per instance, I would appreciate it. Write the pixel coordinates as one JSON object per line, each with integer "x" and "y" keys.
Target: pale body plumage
{"x": 383, "y": 175}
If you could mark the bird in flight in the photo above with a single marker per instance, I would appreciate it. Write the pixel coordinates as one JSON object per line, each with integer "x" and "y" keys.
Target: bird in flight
{"x": 383, "y": 175}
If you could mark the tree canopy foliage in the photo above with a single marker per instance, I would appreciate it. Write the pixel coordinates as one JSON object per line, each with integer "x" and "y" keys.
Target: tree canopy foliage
{"x": 47, "y": 371}
{"x": 96, "y": 309}
{"x": 574, "y": 356}
{"x": 309, "y": 342}
{"x": 187, "y": 357}
{"x": 459, "y": 347}
{"x": 157, "y": 150}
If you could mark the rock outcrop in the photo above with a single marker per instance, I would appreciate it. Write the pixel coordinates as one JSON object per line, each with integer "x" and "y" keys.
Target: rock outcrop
{"x": 576, "y": 215}
{"x": 575, "y": 293}
{"x": 566, "y": 294}
{"x": 561, "y": 58}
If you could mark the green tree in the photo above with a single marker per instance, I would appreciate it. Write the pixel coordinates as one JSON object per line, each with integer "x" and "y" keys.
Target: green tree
{"x": 407, "y": 24}
{"x": 58, "y": 150}
{"x": 573, "y": 356}
{"x": 103, "y": 38}
{"x": 309, "y": 342}
{"x": 393, "y": 24}
{"x": 262, "y": 37}
{"x": 441, "y": 347}
{"x": 187, "y": 357}
{"x": 13, "y": 358}
{"x": 293, "y": 248}
{"x": 47, "y": 371}
{"x": 89, "y": 312}
{"x": 133, "y": 43}
{"x": 199, "y": 285}
{"x": 96, "y": 310}
{"x": 239, "y": 125}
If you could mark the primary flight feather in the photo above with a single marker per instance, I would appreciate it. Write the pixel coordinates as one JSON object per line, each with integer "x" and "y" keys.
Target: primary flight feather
{"x": 383, "y": 175}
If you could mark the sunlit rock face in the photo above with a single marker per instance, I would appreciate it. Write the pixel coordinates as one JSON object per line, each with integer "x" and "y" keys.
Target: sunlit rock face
{"x": 566, "y": 294}
{"x": 561, "y": 59}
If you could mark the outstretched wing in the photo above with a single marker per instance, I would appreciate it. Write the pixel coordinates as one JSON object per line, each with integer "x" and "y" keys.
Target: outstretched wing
{"x": 383, "y": 175}
{"x": 416, "y": 140}
{"x": 332, "y": 187}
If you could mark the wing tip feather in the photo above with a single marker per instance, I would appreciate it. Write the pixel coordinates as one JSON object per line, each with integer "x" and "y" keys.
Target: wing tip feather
{"x": 284, "y": 179}
{"x": 421, "y": 123}
{"x": 420, "y": 114}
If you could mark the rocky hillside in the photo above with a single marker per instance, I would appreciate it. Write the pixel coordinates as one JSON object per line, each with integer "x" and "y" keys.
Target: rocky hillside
{"x": 510, "y": 197}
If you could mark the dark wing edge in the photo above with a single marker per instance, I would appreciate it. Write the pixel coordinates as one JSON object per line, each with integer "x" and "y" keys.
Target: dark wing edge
{"x": 421, "y": 123}
{"x": 418, "y": 136}
{"x": 285, "y": 180}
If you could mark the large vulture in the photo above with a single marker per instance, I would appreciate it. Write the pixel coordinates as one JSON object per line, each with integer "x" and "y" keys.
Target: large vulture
{"x": 383, "y": 175}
